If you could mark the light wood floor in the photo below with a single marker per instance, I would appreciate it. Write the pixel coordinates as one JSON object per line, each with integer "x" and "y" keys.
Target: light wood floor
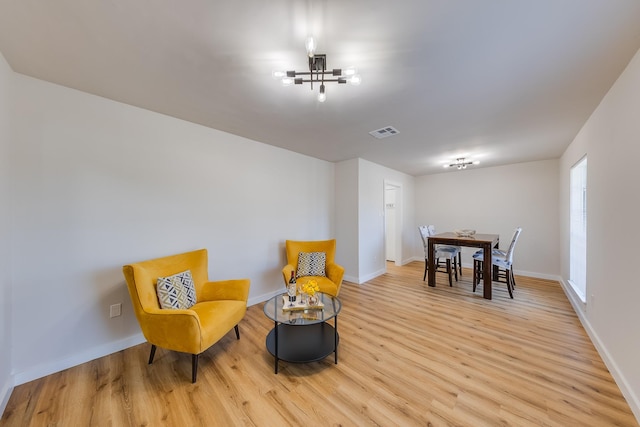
{"x": 408, "y": 355}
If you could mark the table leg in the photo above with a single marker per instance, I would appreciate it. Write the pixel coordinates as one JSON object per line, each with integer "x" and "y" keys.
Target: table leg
{"x": 496, "y": 270}
{"x": 487, "y": 270}
{"x": 335, "y": 339}
{"x": 276, "y": 339}
{"x": 431, "y": 264}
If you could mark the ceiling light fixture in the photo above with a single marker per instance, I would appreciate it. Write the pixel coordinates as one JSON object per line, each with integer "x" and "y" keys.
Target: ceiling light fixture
{"x": 318, "y": 72}
{"x": 460, "y": 163}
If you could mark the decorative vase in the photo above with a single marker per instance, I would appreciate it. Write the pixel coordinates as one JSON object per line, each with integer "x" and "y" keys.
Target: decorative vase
{"x": 313, "y": 300}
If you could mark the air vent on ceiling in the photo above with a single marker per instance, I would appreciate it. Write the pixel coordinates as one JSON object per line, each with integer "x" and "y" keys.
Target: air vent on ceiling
{"x": 384, "y": 132}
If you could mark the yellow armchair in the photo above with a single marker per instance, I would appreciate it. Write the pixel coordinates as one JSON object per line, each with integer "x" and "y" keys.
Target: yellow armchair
{"x": 334, "y": 272}
{"x": 219, "y": 308}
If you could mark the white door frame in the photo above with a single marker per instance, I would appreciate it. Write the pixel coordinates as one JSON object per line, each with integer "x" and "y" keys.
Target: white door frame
{"x": 398, "y": 214}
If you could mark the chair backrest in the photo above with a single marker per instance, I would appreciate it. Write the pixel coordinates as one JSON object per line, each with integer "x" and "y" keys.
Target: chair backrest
{"x": 142, "y": 277}
{"x": 294, "y": 247}
{"x": 425, "y": 232}
{"x": 512, "y": 245}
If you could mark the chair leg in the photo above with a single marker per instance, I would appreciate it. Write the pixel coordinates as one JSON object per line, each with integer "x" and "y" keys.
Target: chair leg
{"x": 478, "y": 268}
{"x": 425, "y": 270}
{"x": 194, "y": 367}
{"x": 449, "y": 271}
{"x": 509, "y": 286}
{"x": 460, "y": 262}
{"x": 475, "y": 274}
{"x": 152, "y": 354}
{"x": 455, "y": 268}
{"x": 513, "y": 279}
{"x": 237, "y": 332}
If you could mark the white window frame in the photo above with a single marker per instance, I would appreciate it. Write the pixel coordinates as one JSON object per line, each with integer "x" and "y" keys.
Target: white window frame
{"x": 578, "y": 229}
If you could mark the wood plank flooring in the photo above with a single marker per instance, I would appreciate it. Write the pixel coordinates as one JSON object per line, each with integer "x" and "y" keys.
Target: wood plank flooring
{"x": 409, "y": 355}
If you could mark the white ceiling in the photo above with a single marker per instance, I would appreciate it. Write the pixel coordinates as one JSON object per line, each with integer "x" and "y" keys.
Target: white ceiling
{"x": 500, "y": 81}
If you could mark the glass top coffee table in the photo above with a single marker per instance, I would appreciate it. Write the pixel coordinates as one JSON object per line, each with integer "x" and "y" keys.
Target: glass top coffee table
{"x": 303, "y": 335}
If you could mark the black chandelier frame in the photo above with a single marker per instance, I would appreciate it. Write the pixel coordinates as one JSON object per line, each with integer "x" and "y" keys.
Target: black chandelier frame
{"x": 317, "y": 69}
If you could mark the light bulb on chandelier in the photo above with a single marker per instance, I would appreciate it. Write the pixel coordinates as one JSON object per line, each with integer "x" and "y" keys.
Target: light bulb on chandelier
{"x": 322, "y": 96}
{"x": 310, "y": 44}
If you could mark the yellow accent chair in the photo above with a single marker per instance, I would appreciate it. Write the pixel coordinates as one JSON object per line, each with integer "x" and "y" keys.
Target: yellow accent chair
{"x": 334, "y": 272}
{"x": 220, "y": 305}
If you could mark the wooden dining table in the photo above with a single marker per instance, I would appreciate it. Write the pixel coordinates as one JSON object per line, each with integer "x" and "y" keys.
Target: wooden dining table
{"x": 485, "y": 241}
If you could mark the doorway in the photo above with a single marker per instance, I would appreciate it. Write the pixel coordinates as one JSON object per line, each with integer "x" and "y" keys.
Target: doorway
{"x": 393, "y": 222}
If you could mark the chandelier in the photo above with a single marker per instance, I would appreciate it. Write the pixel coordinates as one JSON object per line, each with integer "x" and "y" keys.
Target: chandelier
{"x": 318, "y": 73}
{"x": 461, "y": 163}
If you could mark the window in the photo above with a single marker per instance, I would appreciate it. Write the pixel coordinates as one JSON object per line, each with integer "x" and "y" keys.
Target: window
{"x": 578, "y": 229}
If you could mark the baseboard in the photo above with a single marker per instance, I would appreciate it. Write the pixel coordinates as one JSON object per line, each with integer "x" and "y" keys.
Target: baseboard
{"x": 265, "y": 297}
{"x": 45, "y": 369}
{"x": 470, "y": 266}
{"x": 351, "y": 279}
{"x": 580, "y": 308}
{"x": 525, "y": 273}
{"x": 5, "y": 394}
{"x": 412, "y": 259}
{"x": 52, "y": 367}
{"x": 360, "y": 280}
{"x": 536, "y": 275}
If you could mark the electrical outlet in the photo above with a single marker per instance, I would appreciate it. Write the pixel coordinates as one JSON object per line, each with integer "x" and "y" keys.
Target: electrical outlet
{"x": 115, "y": 310}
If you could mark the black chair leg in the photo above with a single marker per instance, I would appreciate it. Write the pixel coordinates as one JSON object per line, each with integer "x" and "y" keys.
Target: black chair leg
{"x": 509, "y": 286}
{"x": 425, "y": 270}
{"x": 237, "y": 332}
{"x": 449, "y": 271}
{"x": 152, "y": 354}
{"x": 460, "y": 262}
{"x": 455, "y": 268}
{"x": 477, "y": 273}
{"x": 194, "y": 367}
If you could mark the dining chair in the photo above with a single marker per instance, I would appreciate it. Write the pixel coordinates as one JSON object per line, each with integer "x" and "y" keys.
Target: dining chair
{"x": 432, "y": 231}
{"x": 501, "y": 260}
{"x": 448, "y": 253}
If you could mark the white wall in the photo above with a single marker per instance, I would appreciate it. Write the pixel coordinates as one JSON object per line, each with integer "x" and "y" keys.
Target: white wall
{"x": 346, "y": 195}
{"x": 6, "y": 380}
{"x": 497, "y": 200}
{"x": 610, "y": 139}
{"x": 371, "y": 239}
{"x": 99, "y": 184}
{"x": 360, "y": 217}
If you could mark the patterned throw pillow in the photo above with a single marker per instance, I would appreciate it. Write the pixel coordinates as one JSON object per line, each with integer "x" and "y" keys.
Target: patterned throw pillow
{"x": 177, "y": 291}
{"x": 311, "y": 264}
